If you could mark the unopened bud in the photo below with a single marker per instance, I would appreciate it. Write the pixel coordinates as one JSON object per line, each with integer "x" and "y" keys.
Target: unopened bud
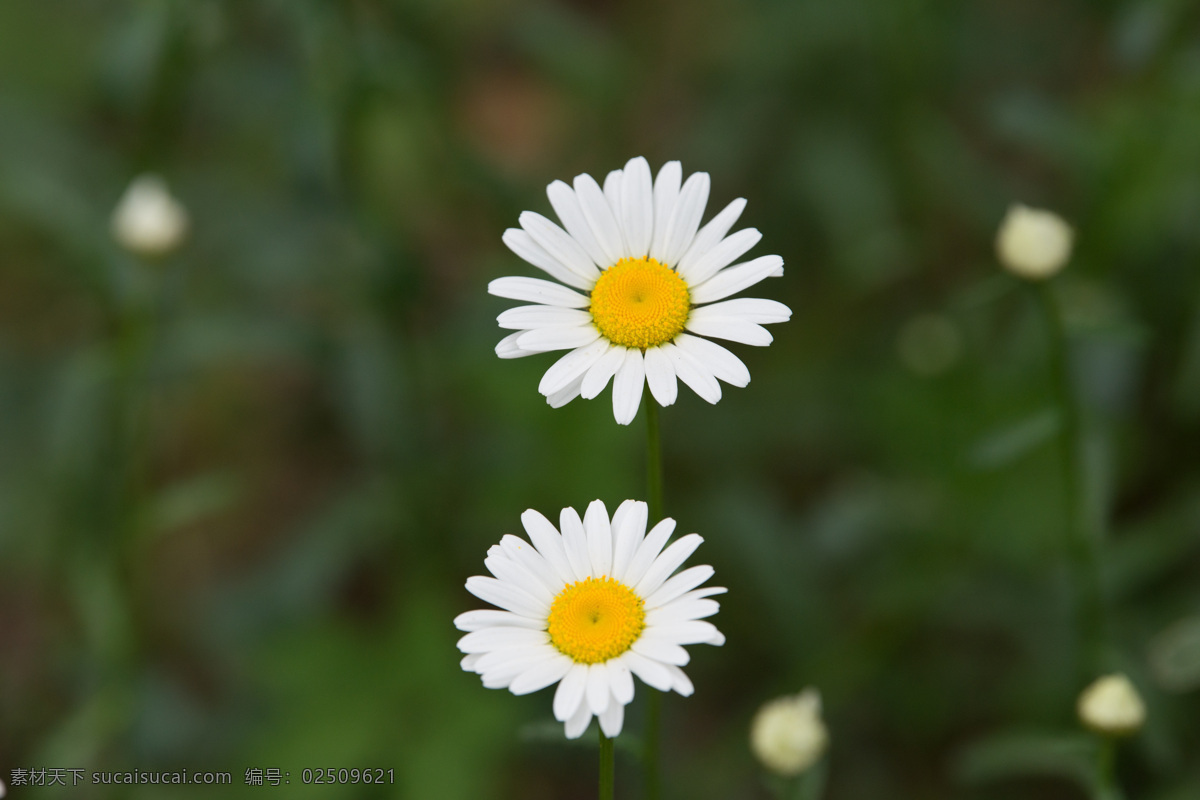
{"x": 1032, "y": 243}
{"x": 787, "y": 734}
{"x": 1112, "y": 706}
{"x": 148, "y": 220}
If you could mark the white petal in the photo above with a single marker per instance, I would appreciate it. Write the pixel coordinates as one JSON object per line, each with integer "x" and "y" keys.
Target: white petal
{"x": 637, "y": 206}
{"x": 652, "y": 673}
{"x": 660, "y": 651}
{"x": 601, "y": 217}
{"x": 679, "y": 681}
{"x": 501, "y": 673}
{"x": 598, "y": 693}
{"x": 543, "y": 340}
{"x": 681, "y": 228}
{"x": 666, "y": 195}
{"x": 565, "y": 394}
{"x": 513, "y": 573}
{"x": 613, "y": 719}
{"x": 511, "y": 661}
{"x": 499, "y": 638}
{"x": 569, "y": 695}
{"x": 541, "y": 676}
{"x": 715, "y": 358}
{"x": 527, "y": 556}
{"x": 508, "y": 347}
{"x": 469, "y": 661}
{"x": 559, "y": 244}
{"x": 751, "y": 309}
{"x": 599, "y": 539}
{"x": 678, "y": 585}
{"x": 510, "y": 598}
{"x": 524, "y": 318}
{"x": 668, "y": 562}
{"x": 536, "y": 290}
{"x": 707, "y": 591}
{"x": 735, "y": 330}
{"x": 660, "y": 376}
{"x": 486, "y": 618}
{"x": 712, "y": 233}
{"x": 680, "y": 610}
{"x": 621, "y": 679}
{"x": 526, "y": 248}
{"x": 627, "y": 387}
{"x": 681, "y": 633}
{"x": 545, "y": 538}
{"x": 491, "y": 681}
{"x": 575, "y": 543}
{"x": 612, "y": 193}
{"x": 571, "y": 366}
{"x": 578, "y": 723}
{"x": 736, "y": 278}
{"x": 629, "y": 529}
{"x": 728, "y": 250}
{"x": 648, "y": 550}
{"x": 569, "y": 210}
{"x": 602, "y": 371}
{"x": 694, "y": 373}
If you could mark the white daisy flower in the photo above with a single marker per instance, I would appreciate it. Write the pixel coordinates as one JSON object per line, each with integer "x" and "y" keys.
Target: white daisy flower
{"x": 588, "y": 609}
{"x": 643, "y": 283}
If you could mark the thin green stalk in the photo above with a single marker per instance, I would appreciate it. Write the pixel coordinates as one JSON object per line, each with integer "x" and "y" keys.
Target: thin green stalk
{"x": 135, "y": 347}
{"x": 1106, "y": 780}
{"x": 811, "y": 784}
{"x": 654, "y": 491}
{"x": 607, "y": 767}
{"x": 1082, "y": 540}
{"x": 651, "y": 777}
{"x": 654, "y": 481}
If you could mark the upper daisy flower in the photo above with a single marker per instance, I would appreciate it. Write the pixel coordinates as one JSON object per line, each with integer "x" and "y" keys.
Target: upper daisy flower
{"x": 648, "y": 276}
{"x": 588, "y": 609}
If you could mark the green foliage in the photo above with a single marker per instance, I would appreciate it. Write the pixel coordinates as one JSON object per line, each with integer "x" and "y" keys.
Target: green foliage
{"x": 241, "y": 487}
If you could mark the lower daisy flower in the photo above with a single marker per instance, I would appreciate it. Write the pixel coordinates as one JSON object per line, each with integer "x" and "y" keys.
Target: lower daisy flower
{"x": 639, "y": 285}
{"x": 588, "y": 609}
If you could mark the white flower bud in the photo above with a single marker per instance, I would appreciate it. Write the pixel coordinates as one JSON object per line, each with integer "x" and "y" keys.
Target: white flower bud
{"x": 787, "y": 734}
{"x": 1032, "y": 243}
{"x": 148, "y": 221}
{"x": 1112, "y": 706}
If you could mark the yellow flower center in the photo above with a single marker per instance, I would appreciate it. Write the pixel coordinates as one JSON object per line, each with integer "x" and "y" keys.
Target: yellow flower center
{"x": 596, "y": 619}
{"x": 640, "y": 303}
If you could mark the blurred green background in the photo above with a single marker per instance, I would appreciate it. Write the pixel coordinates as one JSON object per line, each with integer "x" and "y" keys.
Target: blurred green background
{"x": 241, "y": 488}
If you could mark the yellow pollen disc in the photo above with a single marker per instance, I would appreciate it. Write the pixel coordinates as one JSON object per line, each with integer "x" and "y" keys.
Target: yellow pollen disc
{"x": 640, "y": 303}
{"x": 596, "y": 619}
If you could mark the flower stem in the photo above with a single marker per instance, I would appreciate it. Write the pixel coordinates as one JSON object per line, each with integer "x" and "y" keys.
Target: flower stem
{"x": 811, "y": 784}
{"x": 654, "y": 493}
{"x": 1106, "y": 783}
{"x": 654, "y": 481}
{"x": 1082, "y": 540}
{"x": 607, "y": 766}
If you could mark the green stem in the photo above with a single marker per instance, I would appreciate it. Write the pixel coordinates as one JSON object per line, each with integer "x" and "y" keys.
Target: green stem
{"x": 1082, "y": 540}
{"x": 654, "y": 481}
{"x": 654, "y": 493}
{"x": 811, "y": 784}
{"x": 607, "y": 766}
{"x": 1106, "y": 781}
{"x": 651, "y": 778}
